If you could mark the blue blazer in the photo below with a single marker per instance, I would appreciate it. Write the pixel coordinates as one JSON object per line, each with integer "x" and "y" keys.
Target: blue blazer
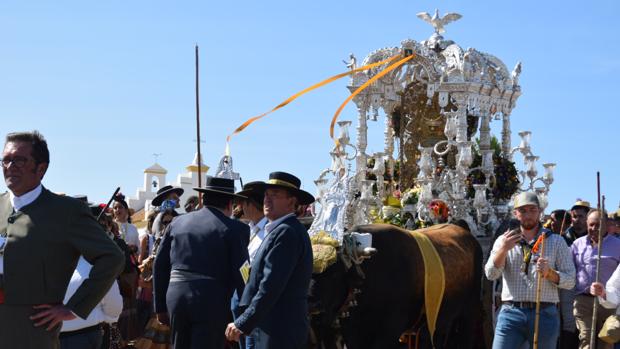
{"x": 205, "y": 242}
{"x": 274, "y": 304}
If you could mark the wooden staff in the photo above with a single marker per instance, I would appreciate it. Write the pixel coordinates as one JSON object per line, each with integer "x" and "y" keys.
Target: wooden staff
{"x": 601, "y": 209}
{"x": 538, "y": 294}
{"x": 198, "y": 131}
{"x": 105, "y": 208}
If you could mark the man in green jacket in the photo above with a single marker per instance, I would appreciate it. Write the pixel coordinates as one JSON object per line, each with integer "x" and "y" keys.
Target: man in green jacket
{"x": 42, "y": 235}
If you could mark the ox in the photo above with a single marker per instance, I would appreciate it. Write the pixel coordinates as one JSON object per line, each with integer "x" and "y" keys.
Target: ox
{"x": 374, "y": 303}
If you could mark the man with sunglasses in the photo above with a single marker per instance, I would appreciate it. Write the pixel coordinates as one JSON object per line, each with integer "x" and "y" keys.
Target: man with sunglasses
{"x": 42, "y": 236}
{"x": 517, "y": 257}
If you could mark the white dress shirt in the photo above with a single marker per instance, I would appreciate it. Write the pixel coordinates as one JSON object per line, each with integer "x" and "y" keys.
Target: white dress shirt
{"x": 612, "y": 290}
{"x": 257, "y": 235}
{"x": 18, "y": 202}
{"x": 108, "y": 310}
{"x": 26, "y": 199}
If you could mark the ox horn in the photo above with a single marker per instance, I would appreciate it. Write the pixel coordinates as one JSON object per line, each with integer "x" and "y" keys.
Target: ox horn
{"x": 369, "y": 252}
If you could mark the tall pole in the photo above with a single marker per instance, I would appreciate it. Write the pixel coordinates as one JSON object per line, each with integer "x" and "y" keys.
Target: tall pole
{"x": 198, "y": 127}
{"x": 601, "y": 208}
{"x": 539, "y": 283}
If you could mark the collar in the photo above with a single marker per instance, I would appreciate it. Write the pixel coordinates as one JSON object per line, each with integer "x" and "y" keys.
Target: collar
{"x": 26, "y": 199}
{"x": 590, "y": 242}
{"x": 260, "y": 225}
{"x": 273, "y": 224}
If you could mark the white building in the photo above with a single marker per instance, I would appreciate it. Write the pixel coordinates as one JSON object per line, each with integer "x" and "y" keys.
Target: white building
{"x": 155, "y": 178}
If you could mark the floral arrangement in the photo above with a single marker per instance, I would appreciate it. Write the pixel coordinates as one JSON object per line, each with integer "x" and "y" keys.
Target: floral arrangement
{"x": 411, "y": 196}
{"x": 506, "y": 181}
{"x": 439, "y": 210}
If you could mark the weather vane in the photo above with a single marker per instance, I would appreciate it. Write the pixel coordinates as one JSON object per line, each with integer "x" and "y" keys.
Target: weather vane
{"x": 156, "y": 156}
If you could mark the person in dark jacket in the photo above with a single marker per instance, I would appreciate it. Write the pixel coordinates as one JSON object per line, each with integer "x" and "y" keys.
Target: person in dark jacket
{"x": 197, "y": 268}
{"x": 274, "y": 306}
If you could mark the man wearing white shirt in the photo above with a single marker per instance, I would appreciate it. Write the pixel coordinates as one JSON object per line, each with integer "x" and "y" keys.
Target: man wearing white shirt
{"x": 87, "y": 333}
{"x": 253, "y": 213}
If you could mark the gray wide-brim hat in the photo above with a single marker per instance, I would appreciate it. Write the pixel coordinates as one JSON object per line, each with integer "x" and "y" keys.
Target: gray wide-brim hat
{"x": 526, "y": 198}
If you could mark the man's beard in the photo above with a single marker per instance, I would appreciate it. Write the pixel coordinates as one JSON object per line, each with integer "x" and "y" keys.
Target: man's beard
{"x": 529, "y": 225}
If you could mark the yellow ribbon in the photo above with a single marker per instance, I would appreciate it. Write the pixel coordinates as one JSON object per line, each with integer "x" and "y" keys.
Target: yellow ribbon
{"x": 363, "y": 87}
{"x": 282, "y": 183}
{"x": 313, "y": 87}
{"x": 434, "y": 279}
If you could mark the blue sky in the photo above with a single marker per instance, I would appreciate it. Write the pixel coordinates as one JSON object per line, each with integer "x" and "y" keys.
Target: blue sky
{"x": 110, "y": 83}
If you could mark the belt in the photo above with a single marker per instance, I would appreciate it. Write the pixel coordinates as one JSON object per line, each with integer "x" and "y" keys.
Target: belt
{"x": 177, "y": 275}
{"x": 67, "y": 334}
{"x": 528, "y": 305}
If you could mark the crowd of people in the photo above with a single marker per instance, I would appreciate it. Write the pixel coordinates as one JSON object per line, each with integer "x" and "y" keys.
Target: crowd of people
{"x": 555, "y": 265}
{"x": 234, "y": 268}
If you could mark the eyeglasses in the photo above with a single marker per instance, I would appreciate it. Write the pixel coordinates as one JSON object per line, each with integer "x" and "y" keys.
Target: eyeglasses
{"x": 18, "y": 161}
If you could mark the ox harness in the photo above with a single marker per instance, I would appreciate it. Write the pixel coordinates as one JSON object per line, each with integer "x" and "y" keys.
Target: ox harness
{"x": 434, "y": 282}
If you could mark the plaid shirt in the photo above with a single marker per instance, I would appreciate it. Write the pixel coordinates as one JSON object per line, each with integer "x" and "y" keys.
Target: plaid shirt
{"x": 520, "y": 286}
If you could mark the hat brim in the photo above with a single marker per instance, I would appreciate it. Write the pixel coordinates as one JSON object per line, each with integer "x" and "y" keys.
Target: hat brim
{"x": 220, "y": 192}
{"x": 302, "y": 196}
{"x": 159, "y": 198}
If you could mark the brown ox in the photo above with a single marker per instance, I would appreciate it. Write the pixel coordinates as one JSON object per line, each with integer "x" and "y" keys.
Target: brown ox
{"x": 389, "y": 293}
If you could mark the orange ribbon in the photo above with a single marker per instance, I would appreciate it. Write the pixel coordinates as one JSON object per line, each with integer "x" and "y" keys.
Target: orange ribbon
{"x": 363, "y": 87}
{"x": 538, "y": 242}
{"x": 313, "y": 87}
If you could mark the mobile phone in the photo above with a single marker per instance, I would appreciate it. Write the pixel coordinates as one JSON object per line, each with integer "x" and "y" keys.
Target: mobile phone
{"x": 514, "y": 224}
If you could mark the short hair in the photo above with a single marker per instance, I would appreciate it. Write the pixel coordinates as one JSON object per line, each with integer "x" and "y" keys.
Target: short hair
{"x": 192, "y": 198}
{"x": 560, "y": 215}
{"x": 169, "y": 212}
{"x": 40, "y": 153}
{"x": 216, "y": 200}
{"x": 596, "y": 210}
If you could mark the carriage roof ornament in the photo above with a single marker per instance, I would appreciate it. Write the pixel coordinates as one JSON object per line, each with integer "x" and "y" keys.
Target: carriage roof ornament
{"x": 436, "y": 41}
{"x": 439, "y": 22}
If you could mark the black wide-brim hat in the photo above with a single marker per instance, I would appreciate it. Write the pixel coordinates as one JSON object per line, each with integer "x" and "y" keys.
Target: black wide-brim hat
{"x": 165, "y": 191}
{"x": 254, "y": 191}
{"x": 286, "y": 181}
{"x": 222, "y": 186}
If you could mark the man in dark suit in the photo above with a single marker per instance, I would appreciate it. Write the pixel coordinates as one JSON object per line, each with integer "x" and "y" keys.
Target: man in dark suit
{"x": 274, "y": 304}
{"x": 42, "y": 235}
{"x": 197, "y": 268}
